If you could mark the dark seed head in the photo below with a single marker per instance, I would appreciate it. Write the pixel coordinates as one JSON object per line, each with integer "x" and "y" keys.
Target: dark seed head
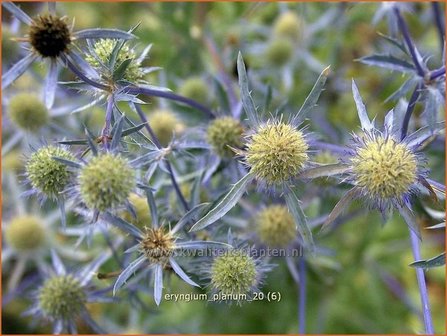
{"x": 49, "y": 35}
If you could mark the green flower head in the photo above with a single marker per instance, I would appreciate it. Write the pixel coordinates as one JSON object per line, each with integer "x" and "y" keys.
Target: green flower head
{"x": 276, "y": 152}
{"x": 276, "y": 226}
{"x": 106, "y": 181}
{"x": 28, "y": 112}
{"x": 223, "y": 134}
{"x": 62, "y": 297}
{"x": 25, "y": 233}
{"x": 46, "y": 174}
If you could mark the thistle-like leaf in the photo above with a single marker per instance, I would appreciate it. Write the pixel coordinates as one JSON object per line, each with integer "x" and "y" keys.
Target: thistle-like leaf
{"x": 293, "y": 203}
{"x": 312, "y": 98}
{"x": 247, "y": 101}
{"x": 437, "y": 261}
{"x": 225, "y": 204}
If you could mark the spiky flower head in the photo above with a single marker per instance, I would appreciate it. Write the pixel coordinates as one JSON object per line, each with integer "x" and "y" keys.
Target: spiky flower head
{"x": 25, "y": 233}
{"x": 49, "y": 35}
{"x": 196, "y": 89}
{"x": 223, "y": 134}
{"x": 106, "y": 181}
{"x": 142, "y": 212}
{"x": 276, "y": 152}
{"x": 233, "y": 273}
{"x": 62, "y": 297}
{"x": 384, "y": 168}
{"x": 164, "y": 123}
{"x": 288, "y": 25}
{"x": 276, "y": 226}
{"x": 157, "y": 245}
{"x": 28, "y": 112}
{"x": 46, "y": 174}
{"x": 103, "y": 50}
{"x": 279, "y": 51}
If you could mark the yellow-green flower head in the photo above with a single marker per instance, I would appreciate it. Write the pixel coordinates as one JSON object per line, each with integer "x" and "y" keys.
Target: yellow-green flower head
{"x": 25, "y": 233}
{"x": 11, "y": 161}
{"x": 46, "y": 174}
{"x": 62, "y": 297}
{"x": 384, "y": 168}
{"x": 288, "y": 25}
{"x": 49, "y": 35}
{"x": 196, "y": 89}
{"x": 103, "y": 49}
{"x": 157, "y": 245}
{"x": 106, "y": 182}
{"x": 223, "y": 134}
{"x": 164, "y": 123}
{"x": 143, "y": 215}
{"x": 279, "y": 51}
{"x": 234, "y": 273}
{"x": 276, "y": 226}
{"x": 276, "y": 152}
{"x": 28, "y": 112}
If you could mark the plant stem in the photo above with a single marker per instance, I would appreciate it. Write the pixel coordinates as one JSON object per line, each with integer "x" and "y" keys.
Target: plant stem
{"x": 105, "y": 133}
{"x": 411, "y": 47}
{"x": 159, "y": 146}
{"x": 410, "y": 108}
{"x": 136, "y": 90}
{"x": 415, "y": 246}
{"x": 438, "y": 14}
{"x": 302, "y": 271}
{"x": 79, "y": 73}
{"x": 437, "y": 73}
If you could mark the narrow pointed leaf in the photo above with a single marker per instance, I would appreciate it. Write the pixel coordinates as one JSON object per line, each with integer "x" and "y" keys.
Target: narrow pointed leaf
{"x": 340, "y": 207}
{"x": 417, "y": 138}
{"x": 225, "y": 205}
{"x": 437, "y": 261}
{"x": 312, "y": 98}
{"x": 100, "y": 33}
{"x": 51, "y": 84}
{"x": 247, "y": 101}
{"x": 17, "y": 70}
{"x": 67, "y": 162}
{"x": 121, "y": 69}
{"x": 73, "y": 142}
{"x": 122, "y": 224}
{"x": 326, "y": 170}
{"x": 57, "y": 263}
{"x": 388, "y": 62}
{"x": 127, "y": 273}
{"x": 158, "y": 284}
{"x": 131, "y": 130}
{"x": 87, "y": 272}
{"x": 437, "y": 226}
{"x": 189, "y": 216}
{"x": 410, "y": 220}
{"x": 293, "y": 204}
{"x": 177, "y": 269}
{"x": 18, "y": 13}
{"x": 201, "y": 245}
{"x": 361, "y": 109}
{"x": 117, "y": 133}
{"x": 151, "y": 203}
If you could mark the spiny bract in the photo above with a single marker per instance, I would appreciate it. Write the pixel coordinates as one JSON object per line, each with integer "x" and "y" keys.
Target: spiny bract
{"x": 28, "y": 112}
{"x": 49, "y": 35}
{"x": 106, "y": 181}
{"x": 103, "y": 50}
{"x": 276, "y": 152}
{"x": 46, "y": 174}
{"x": 276, "y": 226}
{"x": 223, "y": 134}
{"x": 62, "y": 297}
{"x": 233, "y": 272}
{"x": 384, "y": 168}
{"x": 25, "y": 233}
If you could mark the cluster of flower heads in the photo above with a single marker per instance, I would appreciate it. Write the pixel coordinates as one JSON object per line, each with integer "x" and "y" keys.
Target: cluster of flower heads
{"x": 111, "y": 178}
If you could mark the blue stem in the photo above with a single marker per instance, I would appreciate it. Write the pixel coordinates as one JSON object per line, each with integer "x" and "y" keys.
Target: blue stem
{"x": 168, "y": 165}
{"x": 302, "y": 271}
{"x": 136, "y": 90}
{"x": 414, "y": 98}
{"x": 437, "y": 73}
{"x": 404, "y": 29}
{"x": 415, "y": 246}
{"x": 439, "y": 21}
